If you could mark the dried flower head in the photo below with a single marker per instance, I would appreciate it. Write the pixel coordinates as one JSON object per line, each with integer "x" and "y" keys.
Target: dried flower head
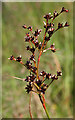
{"x": 36, "y": 80}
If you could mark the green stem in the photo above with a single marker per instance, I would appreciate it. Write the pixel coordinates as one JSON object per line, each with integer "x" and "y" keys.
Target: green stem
{"x": 43, "y": 104}
{"x": 47, "y": 114}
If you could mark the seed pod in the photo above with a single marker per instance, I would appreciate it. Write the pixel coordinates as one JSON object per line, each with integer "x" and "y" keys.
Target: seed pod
{"x": 27, "y": 79}
{"x": 27, "y": 34}
{"x": 64, "y": 10}
{"x": 54, "y": 77}
{"x": 28, "y": 65}
{"x": 32, "y": 50}
{"x": 32, "y": 77}
{"x": 59, "y": 73}
{"x": 43, "y": 73}
{"x": 32, "y": 57}
{"x": 32, "y": 38}
{"x": 24, "y": 26}
{"x": 66, "y": 24}
{"x": 60, "y": 25}
{"x": 28, "y": 88}
{"x": 40, "y": 44}
{"x": 37, "y": 32}
{"x": 28, "y": 48}
{"x": 43, "y": 88}
{"x": 30, "y": 28}
{"x": 52, "y": 48}
{"x": 48, "y": 16}
{"x": 47, "y": 38}
{"x": 36, "y": 43}
{"x": 34, "y": 69}
{"x": 38, "y": 82}
{"x": 18, "y": 59}
{"x": 55, "y": 14}
{"x": 50, "y": 32}
{"x": 27, "y": 39}
{"x": 11, "y": 57}
{"x": 48, "y": 76}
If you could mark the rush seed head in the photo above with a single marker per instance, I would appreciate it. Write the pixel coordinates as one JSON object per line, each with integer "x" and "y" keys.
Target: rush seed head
{"x": 34, "y": 44}
{"x": 36, "y": 81}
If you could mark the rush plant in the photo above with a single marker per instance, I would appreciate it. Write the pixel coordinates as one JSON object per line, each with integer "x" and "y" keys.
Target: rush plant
{"x": 36, "y": 80}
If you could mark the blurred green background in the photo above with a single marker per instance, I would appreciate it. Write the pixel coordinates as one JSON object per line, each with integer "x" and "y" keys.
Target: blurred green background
{"x": 59, "y": 96}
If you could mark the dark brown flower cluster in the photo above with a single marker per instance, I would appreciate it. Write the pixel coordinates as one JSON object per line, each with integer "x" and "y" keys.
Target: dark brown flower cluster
{"x": 36, "y": 79}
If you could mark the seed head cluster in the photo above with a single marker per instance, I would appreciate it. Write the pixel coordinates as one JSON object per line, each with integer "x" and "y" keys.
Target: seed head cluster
{"x": 35, "y": 80}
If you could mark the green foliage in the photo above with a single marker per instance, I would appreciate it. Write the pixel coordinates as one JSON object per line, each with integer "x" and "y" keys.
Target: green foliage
{"x": 59, "y": 97}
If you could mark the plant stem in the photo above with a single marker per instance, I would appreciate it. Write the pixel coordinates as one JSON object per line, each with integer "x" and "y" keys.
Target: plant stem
{"x": 49, "y": 84}
{"x": 47, "y": 114}
{"x": 43, "y": 103}
{"x": 30, "y": 105}
{"x": 41, "y": 50}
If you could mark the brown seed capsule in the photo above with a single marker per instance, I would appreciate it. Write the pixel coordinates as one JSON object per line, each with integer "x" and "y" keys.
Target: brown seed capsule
{"x": 32, "y": 77}
{"x": 29, "y": 88}
{"x": 43, "y": 73}
{"x": 27, "y": 34}
{"x": 48, "y": 76}
{"x": 59, "y": 73}
{"x": 27, "y": 79}
{"x": 28, "y": 65}
{"x": 55, "y": 14}
{"x": 43, "y": 88}
{"x": 32, "y": 50}
{"x": 11, "y": 57}
{"x": 27, "y": 39}
{"x": 53, "y": 77}
{"x": 38, "y": 82}
{"x": 66, "y": 24}
{"x": 36, "y": 43}
{"x": 33, "y": 69}
{"x": 64, "y": 10}
{"x": 30, "y": 28}
{"x": 32, "y": 38}
{"x": 47, "y": 38}
{"x": 56, "y": 77}
{"x": 32, "y": 58}
{"x": 28, "y": 48}
{"x": 24, "y": 26}
{"x": 37, "y": 32}
{"x": 48, "y": 16}
{"x": 60, "y": 25}
{"x": 18, "y": 59}
{"x": 52, "y": 48}
{"x": 50, "y": 32}
{"x": 40, "y": 44}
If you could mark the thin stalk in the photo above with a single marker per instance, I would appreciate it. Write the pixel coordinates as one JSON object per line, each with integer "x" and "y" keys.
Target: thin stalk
{"x": 38, "y": 63}
{"x": 43, "y": 104}
{"x": 43, "y": 81}
{"x": 41, "y": 50}
{"x": 49, "y": 84}
{"x": 36, "y": 85}
{"x": 23, "y": 79}
{"x": 30, "y": 43}
{"x": 30, "y": 106}
{"x": 55, "y": 17}
{"x": 34, "y": 63}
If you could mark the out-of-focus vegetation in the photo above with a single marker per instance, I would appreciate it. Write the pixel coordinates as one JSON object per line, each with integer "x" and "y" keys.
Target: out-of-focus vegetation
{"x": 59, "y": 96}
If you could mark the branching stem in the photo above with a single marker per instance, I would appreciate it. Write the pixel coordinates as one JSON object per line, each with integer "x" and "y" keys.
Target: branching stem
{"x": 41, "y": 49}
